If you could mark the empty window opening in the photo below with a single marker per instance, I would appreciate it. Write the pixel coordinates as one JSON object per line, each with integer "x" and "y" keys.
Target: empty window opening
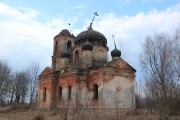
{"x": 69, "y": 92}
{"x": 69, "y": 46}
{"x": 76, "y": 56}
{"x": 101, "y": 55}
{"x": 95, "y": 91}
{"x": 44, "y": 93}
{"x": 60, "y": 93}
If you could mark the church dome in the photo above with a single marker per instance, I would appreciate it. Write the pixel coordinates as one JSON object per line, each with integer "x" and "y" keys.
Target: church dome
{"x": 65, "y": 54}
{"x": 92, "y": 35}
{"x": 65, "y": 32}
{"x": 87, "y": 46}
{"x": 115, "y": 53}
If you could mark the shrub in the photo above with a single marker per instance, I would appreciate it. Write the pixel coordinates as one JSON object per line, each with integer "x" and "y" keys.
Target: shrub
{"x": 39, "y": 116}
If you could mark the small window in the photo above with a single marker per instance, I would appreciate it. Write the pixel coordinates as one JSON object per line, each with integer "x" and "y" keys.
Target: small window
{"x": 101, "y": 55}
{"x": 69, "y": 46}
{"x": 44, "y": 93}
{"x": 60, "y": 93}
{"x": 95, "y": 91}
{"x": 69, "y": 92}
{"x": 76, "y": 56}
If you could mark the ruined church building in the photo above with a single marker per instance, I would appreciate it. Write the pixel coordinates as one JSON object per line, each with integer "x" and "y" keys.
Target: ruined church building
{"x": 81, "y": 76}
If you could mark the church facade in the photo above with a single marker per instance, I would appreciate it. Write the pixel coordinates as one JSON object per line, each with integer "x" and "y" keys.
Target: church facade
{"x": 81, "y": 76}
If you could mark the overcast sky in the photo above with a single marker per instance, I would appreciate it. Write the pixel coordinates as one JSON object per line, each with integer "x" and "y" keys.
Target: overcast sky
{"x": 27, "y": 27}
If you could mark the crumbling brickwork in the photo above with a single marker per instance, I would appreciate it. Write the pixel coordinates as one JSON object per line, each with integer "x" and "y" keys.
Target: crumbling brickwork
{"x": 80, "y": 75}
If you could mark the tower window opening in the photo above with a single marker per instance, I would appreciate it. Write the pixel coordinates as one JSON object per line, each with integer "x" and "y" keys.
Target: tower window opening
{"x": 69, "y": 46}
{"x": 95, "y": 92}
{"x": 44, "y": 93}
{"x": 69, "y": 92}
{"x": 101, "y": 55}
{"x": 76, "y": 56}
{"x": 60, "y": 93}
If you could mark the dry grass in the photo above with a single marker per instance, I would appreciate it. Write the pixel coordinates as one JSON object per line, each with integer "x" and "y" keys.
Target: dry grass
{"x": 10, "y": 113}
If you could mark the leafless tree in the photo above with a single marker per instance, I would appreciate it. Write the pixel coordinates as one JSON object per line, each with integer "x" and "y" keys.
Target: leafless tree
{"x": 12, "y": 90}
{"x": 5, "y": 80}
{"x": 32, "y": 74}
{"x": 160, "y": 61}
{"x": 18, "y": 87}
{"x": 21, "y": 87}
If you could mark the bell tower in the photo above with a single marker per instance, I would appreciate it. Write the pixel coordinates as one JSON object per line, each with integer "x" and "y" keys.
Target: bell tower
{"x": 63, "y": 42}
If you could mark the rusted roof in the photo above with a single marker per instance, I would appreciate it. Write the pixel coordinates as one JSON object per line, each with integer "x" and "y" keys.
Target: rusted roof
{"x": 91, "y": 34}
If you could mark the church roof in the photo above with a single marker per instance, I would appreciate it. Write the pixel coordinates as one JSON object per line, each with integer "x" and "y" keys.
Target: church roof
{"x": 46, "y": 71}
{"x": 91, "y": 34}
{"x": 65, "y": 32}
{"x": 120, "y": 63}
{"x": 65, "y": 54}
{"x": 87, "y": 46}
{"x": 115, "y": 53}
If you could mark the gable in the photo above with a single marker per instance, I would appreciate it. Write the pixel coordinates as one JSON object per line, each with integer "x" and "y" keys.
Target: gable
{"x": 120, "y": 63}
{"x": 46, "y": 71}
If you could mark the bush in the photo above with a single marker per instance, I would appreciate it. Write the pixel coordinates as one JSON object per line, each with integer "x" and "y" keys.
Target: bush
{"x": 39, "y": 116}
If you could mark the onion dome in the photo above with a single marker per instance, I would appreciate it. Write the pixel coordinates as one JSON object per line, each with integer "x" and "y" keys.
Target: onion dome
{"x": 92, "y": 35}
{"x": 65, "y": 32}
{"x": 115, "y": 53}
{"x": 65, "y": 54}
{"x": 87, "y": 46}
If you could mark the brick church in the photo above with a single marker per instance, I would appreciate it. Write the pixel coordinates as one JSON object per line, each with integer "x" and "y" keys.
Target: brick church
{"x": 81, "y": 75}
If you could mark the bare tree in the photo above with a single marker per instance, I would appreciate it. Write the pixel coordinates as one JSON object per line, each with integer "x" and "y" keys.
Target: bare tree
{"x": 18, "y": 87}
{"x": 12, "y": 91}
{"x": 21, "y": 87}
{"x": 5, "y": 81}
{"x": 160, "y": 62}
{"x": 33, "y": 73}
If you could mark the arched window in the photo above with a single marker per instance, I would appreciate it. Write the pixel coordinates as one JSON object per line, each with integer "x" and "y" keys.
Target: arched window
{"x": 69, "y": 46}
{"x": 44, "y": 93}
{"x": 76, "y": 56}
{"x": 69, "y": 92}
{"x": 95, "y": 91}
{"x": 60, "y": 93}
{"x": 101, "y": 55}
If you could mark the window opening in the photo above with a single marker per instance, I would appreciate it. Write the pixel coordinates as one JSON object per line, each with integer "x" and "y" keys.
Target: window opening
{"x": 44, "y": 93}
{"x": 95, "y": 91}
{"x": 69, "y": 92}
{"x": 76, "y": 55}
{"x": 69, "y": 46}
{"x": 60, "y": 93}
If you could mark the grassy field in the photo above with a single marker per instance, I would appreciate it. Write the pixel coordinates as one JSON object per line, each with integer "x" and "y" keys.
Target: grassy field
{"x": 10, "y": 113}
